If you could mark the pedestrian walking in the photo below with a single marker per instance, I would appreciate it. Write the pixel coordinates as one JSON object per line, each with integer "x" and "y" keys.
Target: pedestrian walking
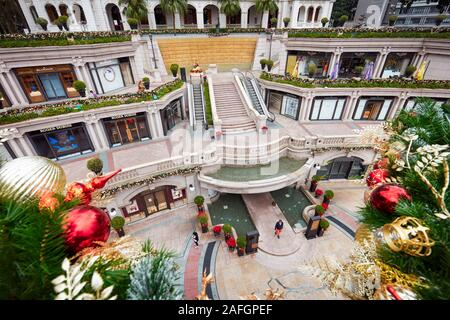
{"x": 278, "y": 227}
{"x": 195, "y": 238}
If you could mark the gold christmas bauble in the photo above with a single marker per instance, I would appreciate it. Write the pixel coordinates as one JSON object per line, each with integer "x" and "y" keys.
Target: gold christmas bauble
{"x": 27, "y": 178}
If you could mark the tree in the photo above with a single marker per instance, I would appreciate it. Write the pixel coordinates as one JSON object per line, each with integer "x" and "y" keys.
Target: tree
{"x": 11, "y": 17}
{"x": 266, "y": 5}
{"x": 229, "y": 7}
{"x": 173, "y": 6}
{"x": 135, "y": 9}
{"x": 342, "y": 7}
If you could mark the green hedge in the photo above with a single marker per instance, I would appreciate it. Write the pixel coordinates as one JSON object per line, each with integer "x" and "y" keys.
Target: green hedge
{"x": 208, "y": 111}
{"x": 349, "y": 83}
{"x": 15, "y": 43}
{"x": 71, "y": 106}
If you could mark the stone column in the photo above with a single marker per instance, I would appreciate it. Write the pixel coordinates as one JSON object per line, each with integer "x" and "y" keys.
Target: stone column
{"x": 351, "y": 105}
{"x": 177, "y": 20}
{"x": 294, "y": 14}
{"x": 151, "y": 18}
{"x": 335, "y": 59}
{"x": 22, "y": 97}
{"x": 15, "y": 147}
{"x": 244, "y": 18}
{"x": 101, "y": 135}
{"x": 200, "y": 22}
{"x": 420, "y": 59}
{"x": 136, "y": 74}
{"x": 222, "y": 20}
{"x": 26, "y": 146}
{"x": 379, "y": 64}
{"x": 8, "y": 90}
{"x": 265, "y": 19}
{"x": 400, "y": 102}
{"x": 151, "y": 123}
{"x": 91, "y": 120}
{"x": 159, "y": 123}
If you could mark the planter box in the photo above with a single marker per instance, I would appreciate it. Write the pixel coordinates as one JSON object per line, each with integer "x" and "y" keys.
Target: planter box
{"x": 217, "y": 234}
{"x": 204, "y": 229}
{"x": 313, "y": 186}
{"x": 240, "y": 252}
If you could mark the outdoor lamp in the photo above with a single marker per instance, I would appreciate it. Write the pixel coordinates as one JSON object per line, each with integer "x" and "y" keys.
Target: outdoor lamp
{"x": 317, "y": 166}
{"x": 191, "y": 187}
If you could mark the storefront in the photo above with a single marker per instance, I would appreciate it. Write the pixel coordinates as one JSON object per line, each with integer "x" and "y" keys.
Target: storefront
{"x": 285, "y": 104}
{"x": 356, "y": 64}
{"x": 396, "y": 63}
{"x": 342, "y": 168}
{"x": 152, "y": 201}
{"x": 329, "y": 108}
{"x": 171, "y": 115}
{"x": 126, "y": 128}
{"x": 4, "y": 101}
{"x": 412, "y": 103}
{"x": 61, "y": 142}
{"x": 373, "y": 108}
{"x": 298, "y": 63}
{"x": 47, "y": 83}
{"x": 111, "y": 74}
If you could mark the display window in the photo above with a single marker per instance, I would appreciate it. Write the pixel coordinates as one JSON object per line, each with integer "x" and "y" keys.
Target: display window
{"x": 4, "y": 101}
{"x": 412, "y": 103}
{"x": 61, "y": 142}
{"x": 126, "y": 129}
{"x": 171, "y": 115}
{"x": 298, "y": 63}
{"x": 372, "y": 108}
{"x": 329, "y": 108}
{"x": 396, "y": 63}
{"x": 356, "y": 64}
{"x": 285, "y": 104}
{"x": 111, "y": 74}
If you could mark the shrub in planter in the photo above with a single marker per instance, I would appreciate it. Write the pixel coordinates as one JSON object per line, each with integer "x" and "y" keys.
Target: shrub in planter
{"x": 42, "y": 22}
{"x": 95, "y": 165}
{"x": 314, "y": 181}
{"x": 273, "y": 22}
{"x": 286, "y": 21}
{"x": 312, "y": 68}
{"x": 231, "y": 243}
{"x": 263, "y": 63}
{"x": 392, "y": 20}
{"x": 58, "y": 23}
{"x": 327, "y": 196}
{"x": 438, "y": 19}
{"x": 319, "y": 210}
{"x": 63, "y": 20}
{"x": 318, "y": 193}
{"x": 174, "y": 69}
{"x": 203, "y": 219}
{"x": 409, "y": 71}
{"x": 227, "y": 230}
{"x": 146, "y": 81}
{"x": 269, "y": 64}
{"x": 359, "y": 70}
{"x": 80, "y": 86}
{"x": 217, "y": 230}
{"x": 343, "y": 19}
{"x": 241, "y": 243}
{"x": 323, "y": 226}
{"x": 133, "y": 23}
{"x": 324, "y": 21}
{"x": 199, "y": 200}
{"x": 117, "y": 223}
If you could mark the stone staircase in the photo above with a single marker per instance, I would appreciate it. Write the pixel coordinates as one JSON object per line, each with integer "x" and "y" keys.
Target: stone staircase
{"x": 230, "y": 108}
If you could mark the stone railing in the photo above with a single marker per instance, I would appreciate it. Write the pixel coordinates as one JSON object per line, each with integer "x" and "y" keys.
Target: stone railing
{"x": 216, "y": 121}
{"x": 259, "y": 120}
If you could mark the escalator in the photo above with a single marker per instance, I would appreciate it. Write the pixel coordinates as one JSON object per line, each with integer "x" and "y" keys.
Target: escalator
{"x": 254, "y": 93}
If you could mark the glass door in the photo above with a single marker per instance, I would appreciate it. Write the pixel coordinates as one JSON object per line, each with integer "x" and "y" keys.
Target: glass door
{"x": 340, "y": 169}
{"x": 128, "y": 130}
{"x": 161, "y": 200}
{"x": 52, "y": 86}
{"x": 151, "y": 204}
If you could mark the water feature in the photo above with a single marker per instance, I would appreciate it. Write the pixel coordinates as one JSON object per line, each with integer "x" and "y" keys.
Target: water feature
{"x": 292, "y": 202}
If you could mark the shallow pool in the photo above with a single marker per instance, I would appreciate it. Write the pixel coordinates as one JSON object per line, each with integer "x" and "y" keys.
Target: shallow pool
{"x": 291, "y": 202}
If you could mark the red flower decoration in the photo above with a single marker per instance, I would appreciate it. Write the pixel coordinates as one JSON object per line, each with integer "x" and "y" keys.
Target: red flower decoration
{"x": 319, "y": 192}
{"x": 217, "y": 229}
{"x": 231, "y": 242}
{"x": 325, "y": 206}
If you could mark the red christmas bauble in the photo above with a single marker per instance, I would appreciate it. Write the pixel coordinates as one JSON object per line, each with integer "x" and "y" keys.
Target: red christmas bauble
{"x": 377, "y": 176}
{"x": 386, "y": 197}
{"x": 84, "y": 225}
{"x": 381, "y": 164}
{"x": 78, "y": 190}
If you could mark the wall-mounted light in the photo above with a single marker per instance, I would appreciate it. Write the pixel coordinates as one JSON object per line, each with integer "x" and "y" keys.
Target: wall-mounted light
{"x": 317, "y": 166}
{"x": 191, "y": 187}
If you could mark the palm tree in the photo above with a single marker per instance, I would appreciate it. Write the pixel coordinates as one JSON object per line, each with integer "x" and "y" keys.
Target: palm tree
{"x": 229, "y": 7}
{"x": 266, "y": 5}
{"x": 135, "y": 9}
{"x": 172, "y": 6}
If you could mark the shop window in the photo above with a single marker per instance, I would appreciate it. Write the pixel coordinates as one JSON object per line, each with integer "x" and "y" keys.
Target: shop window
{"x": 372, "y": 109}
{"x": 351, "y": 60}
{"x": 4, "y": 101}
{"x": 111, "y": 74}
{"x": 290, "y": 107}
{"x": 327, "y": 108}
{"x": 298, "y": 63}
{"x": 126, "y": 129}
{"x": 274, "y": 101}
{"x": 396, "y": 64}
{"x": 171, "y": 115}
{"x": 60, "y": 143}
{"x": 32, "y": 88}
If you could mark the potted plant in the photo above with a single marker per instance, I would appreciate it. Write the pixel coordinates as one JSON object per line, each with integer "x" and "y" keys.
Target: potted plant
{"x": 327, "y": 196}
{"x": 117, "y": 223}
{"x": 58, "y": 23}
{"x": 318, "y": 193}
{"x": 314, "y": 181}
{"x": 199, "y": 200}
{"x": 217, "y": 229}
{"x": 273, "y": 22}
{"x": 133, "y": 23}
{"x": 146, "y": 81}
{"x": 409, "y": 71}
{"x": 174, "y": 69}
{"x": 439, "y": 19}
{"x": 95, "y": 165}
{"x": 323, "y": 226}
{"x": 343, "y": 19}
{"x": 263, "y": 63}
{"x": 203, "y": 219}
{"x": 392, "y": 20}
{"x": 80, "y": 86}
{"x": 63, "y": 20}
{"x": 312, "y": 68}
{"x": 42, "y": 22}
{"x": 231, "y": 243}
{"x": 241, "y": 243}
{"x": 319, "y": 210}
{"x": 269, "y": 64}
{"x": 324, "y": 21}
{"x": 227, "y": 230}
{"x": 359, "y": 70}
{"x": 286, "y": 21}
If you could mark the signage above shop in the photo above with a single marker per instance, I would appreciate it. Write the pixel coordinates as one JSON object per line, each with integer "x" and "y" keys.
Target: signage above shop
{"x": 123, "y": 116}
{"x": 56, "y": 128}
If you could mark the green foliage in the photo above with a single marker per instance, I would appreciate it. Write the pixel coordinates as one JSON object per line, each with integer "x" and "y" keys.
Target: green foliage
{"x": 79, "y": 85}
{"x": 173, "y": 6}
{"x": 174, "y": 68}
{"x": 266, "y": 5}
{"x": 409, "y": 70}
{"x": 203, "y": 219}
{"x": 95, "y": 165}
{"x": 263, "y": 62}
{"x": 155, "y": 278}
{"x": 343, "y": 19}
{"x": 227, "y": 228}
{"x": 61, "y": 41}
{"x": 429, "y": 123}
{"x": 324, "y": 21}
{"x": 316, "y": 178}
{"x": 329, "y": 194}
{"x": 146, "y": 79}
{"x": 368, "y": 34}
{"x": 319, "y": 209}
{"x": 312, "y": 68}
{"x": 274, "y": 21}
{"x": 42, "y": 22}
{"x": 63, "y": 19}
{"x": 117, "y": 222}
{"x": 208, "y": 109}
{"x": 241, "y": 242}
{"x": 392, "y": 19}
{"x": 324, "y": 224}
{"x": 199, "y": 200}
{"x": 134, "y": 9}
{"x": 229, "y": 7}
{"x": 31, "y": 249}
{"x": 132, "y": 22}
{"x": 269, "y": 63}
{"x": 359, "y": 69}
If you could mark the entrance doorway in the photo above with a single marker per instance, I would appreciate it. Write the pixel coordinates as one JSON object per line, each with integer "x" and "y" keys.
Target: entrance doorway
{"x": 52, "y": 85}
{"x": 342, "y": 168}
{"x": 114, "y": 17}
{"x": 155, "y": 202}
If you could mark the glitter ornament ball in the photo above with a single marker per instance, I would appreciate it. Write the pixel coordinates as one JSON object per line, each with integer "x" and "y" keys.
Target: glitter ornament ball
{"x": 377, "y": 176}
{"x": 85, "y": 225}
{"x": 386, "y": 197}
{"x": 28, "y": 178}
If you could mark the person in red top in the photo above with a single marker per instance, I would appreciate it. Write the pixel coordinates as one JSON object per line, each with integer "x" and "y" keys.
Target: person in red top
{"x": 278, "y": 228}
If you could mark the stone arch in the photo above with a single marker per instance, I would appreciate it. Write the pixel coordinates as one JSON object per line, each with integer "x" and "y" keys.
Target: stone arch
{"x": 318, "y": 14}
{"x": 79, "y": 15}
{"x": 64, "y": 9}
{"x": 190, "y": 17}
{"x": 114, "y": 16}
{"x": 160, "y": 17}
{"x": 34, "y": 13}
{"x": 51, "y": 12}
{"x": 254, "y": 18}
{"x": 211, "y": 15}
{"x": 301, "y": 17}
{"x": 310, "y": 14}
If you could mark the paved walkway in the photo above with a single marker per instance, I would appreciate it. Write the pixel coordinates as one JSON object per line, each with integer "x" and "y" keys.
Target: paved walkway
{"x": 264, "y": 216}
{"x": 191, "y": 288}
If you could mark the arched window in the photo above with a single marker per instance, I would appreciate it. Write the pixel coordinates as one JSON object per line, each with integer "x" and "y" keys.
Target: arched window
{"x": 160, "y": 17}
{"x": 79, "y": 14}
{"x": 34, "y": 13}
{"x": 51, "y": 12}
{"x": 301, "y": 14}
{"x": 317, "y": 15}
{"x": 310, "y": 14}
{"x": 64, "y": 10}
